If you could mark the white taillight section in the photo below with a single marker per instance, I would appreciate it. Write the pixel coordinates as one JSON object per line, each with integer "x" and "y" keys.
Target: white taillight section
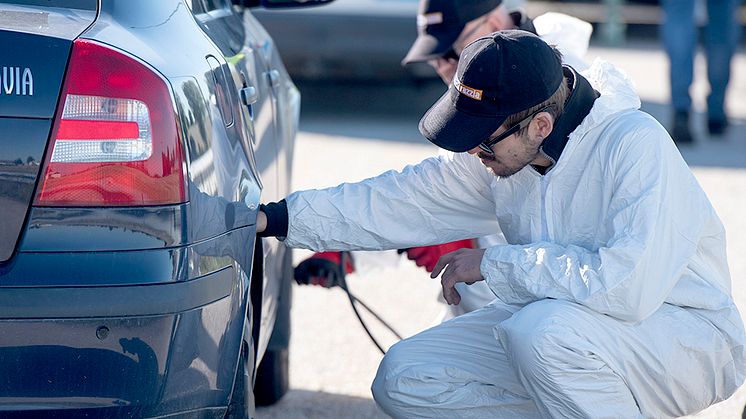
{"x": 99, "y": 129}
{"x": 115, "y": 140}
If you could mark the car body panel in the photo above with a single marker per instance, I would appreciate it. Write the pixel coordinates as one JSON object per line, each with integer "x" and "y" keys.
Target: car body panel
{"x": 152, "y": 364}
{"x": 19, "y": 170}
{"x": 252, "y": 132}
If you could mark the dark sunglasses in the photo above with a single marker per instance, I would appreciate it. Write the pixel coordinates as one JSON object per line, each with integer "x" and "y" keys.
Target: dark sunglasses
{"x": 486, "y": 145}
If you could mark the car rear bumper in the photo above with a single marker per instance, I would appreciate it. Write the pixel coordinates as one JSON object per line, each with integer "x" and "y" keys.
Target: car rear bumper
{"x": 144, "y": 350}
{"x": 114, "y": 301}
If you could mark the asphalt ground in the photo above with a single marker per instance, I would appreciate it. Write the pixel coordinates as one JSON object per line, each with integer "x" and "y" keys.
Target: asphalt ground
{"x": 349, "y": 132}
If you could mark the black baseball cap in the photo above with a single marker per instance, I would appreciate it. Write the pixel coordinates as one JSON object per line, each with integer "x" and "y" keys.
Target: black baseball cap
{"x": 439, "y": 24}
{"x": 497, "y": 76}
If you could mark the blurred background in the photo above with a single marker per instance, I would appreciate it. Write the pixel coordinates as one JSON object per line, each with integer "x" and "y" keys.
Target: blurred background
{"x": 365, "y": 40}
{"x": 359, "y": 117}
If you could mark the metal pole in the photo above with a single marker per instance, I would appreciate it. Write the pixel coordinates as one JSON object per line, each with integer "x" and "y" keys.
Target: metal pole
{"x": 613, "y": 29}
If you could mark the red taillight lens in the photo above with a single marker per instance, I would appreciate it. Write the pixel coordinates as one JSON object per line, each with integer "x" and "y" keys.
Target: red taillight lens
{"x": 77, "y": 129}
{"x": 115, "y": 140}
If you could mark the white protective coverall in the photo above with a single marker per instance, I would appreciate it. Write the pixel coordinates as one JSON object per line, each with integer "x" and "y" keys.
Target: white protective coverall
{"x": 614, "y": 292}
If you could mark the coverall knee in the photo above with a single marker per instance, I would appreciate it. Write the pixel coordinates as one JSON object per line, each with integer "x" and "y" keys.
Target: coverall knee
{"x": 456, "y": 369}
{"x": 558, "y": 364}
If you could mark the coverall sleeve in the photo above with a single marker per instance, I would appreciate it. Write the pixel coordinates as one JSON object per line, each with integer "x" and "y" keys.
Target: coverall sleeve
{"x": 439, "y": 200}
{"x": 656, "y": 214}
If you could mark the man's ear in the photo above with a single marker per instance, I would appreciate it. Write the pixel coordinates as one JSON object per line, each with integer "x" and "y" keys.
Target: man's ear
{"x": 542, "y": 125}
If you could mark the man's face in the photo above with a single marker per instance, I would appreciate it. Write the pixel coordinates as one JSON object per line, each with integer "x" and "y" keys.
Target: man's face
{"x": 511, "y": 154}
{"x": 496, "y": 20}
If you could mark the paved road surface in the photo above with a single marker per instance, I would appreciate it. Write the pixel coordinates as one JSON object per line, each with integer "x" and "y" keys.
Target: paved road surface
{"x": 368, "y": 129}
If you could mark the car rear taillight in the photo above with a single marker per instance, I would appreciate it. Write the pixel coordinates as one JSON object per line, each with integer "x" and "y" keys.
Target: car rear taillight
{"x": 115, "y": 140}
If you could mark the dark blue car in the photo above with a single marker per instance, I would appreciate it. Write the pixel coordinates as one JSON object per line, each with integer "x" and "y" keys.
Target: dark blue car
{"x": 137, "y": 138}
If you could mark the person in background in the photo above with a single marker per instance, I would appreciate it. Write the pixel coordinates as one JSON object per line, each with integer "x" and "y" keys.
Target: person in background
{"x": 443, "y": 32}
{"x": 679, "y": 33}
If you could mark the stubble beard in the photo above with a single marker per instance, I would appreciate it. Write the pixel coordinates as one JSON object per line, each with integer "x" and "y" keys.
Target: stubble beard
{"x": 504, "y": 171}
{"x": 489, "y": 161}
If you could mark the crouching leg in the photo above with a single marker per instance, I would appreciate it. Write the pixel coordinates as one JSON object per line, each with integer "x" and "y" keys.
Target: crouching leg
{"x": 574, "y": 362}
{"x": 455, "y": 369}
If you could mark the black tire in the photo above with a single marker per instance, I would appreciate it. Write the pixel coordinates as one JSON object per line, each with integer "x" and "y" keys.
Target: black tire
{"x": 272, "y": 380}
{"x": 272, "y": 376}
{"x": 242, "y": 398}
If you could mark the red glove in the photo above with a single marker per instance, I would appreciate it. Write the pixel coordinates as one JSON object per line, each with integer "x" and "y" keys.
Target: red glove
{"x": 427, "y": 256}
{"x": 323, "y": 269}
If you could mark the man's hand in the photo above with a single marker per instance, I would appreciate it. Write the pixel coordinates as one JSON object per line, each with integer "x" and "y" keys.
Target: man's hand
{"x": 261, "y": 222}
{"x": 460, "y": 266}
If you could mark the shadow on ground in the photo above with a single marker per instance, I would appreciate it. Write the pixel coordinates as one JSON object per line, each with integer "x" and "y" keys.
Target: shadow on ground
{"x": 304, "y": 404}
{"x": 391, "y": 112}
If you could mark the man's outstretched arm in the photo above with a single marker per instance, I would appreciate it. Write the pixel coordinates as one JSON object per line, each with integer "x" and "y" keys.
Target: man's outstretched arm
{"x": 435, "y": 201}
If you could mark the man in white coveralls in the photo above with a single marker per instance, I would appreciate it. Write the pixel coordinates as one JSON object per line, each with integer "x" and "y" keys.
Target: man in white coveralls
{"x": 444, "y": 28}
{"x": 613, "y": 290}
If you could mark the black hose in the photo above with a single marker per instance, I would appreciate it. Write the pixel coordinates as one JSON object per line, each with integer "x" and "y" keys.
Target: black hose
{"x": 354, "y": 300}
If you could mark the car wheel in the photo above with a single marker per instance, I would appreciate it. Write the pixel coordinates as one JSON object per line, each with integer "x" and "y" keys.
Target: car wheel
{"x": 272, "y": 380}
{"x": 272, "y": 376}
{"x": 242, "y": 400}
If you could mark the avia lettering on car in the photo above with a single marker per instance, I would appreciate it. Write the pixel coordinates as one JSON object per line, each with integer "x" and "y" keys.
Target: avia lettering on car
{"x": 18, "y": 81}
